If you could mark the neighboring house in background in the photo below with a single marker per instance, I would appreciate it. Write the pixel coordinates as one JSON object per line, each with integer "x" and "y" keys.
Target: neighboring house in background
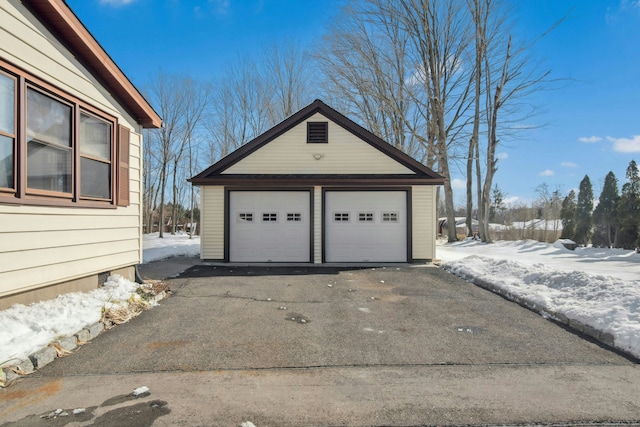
{"x": 318, "y": 188}
{"x": 70, "y": 156}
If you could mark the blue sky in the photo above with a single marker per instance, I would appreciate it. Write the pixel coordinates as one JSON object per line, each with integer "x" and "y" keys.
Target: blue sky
{"x": 589, "y": 123}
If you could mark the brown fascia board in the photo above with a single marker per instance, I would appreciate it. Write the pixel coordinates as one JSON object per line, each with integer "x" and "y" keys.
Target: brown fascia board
{"x": 338, "y": 118}
{"x": 61, "y": 20}
{"x": 296, "y": 180}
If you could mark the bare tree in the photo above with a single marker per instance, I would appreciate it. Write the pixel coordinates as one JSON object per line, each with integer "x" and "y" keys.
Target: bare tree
{"x": 509, "y": 76}
{"x": 180, "y": 101}
{"x": 440, "y": 38}
{"x": 195, "y": 96}
{"x": 168, "y": 101}
{"x": 287, "y": 76}
{"x": 365, "y": 62}
{"x": 255, "y": 94}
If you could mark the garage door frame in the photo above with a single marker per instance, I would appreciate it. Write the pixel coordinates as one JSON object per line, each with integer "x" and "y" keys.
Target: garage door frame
{"x": 409, "y": 212}
{"x": 227, "y": 214}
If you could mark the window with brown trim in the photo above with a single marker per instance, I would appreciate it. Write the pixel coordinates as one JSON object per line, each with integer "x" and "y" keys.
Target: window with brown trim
{"x": 317, "y": 132}
{"x": 8, "y": 84}
{"x": 64, "y": 152}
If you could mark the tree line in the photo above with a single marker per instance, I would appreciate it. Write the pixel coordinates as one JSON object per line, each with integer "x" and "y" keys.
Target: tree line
{"x": 446, "y": 81}
{"x": 615, "y": 221}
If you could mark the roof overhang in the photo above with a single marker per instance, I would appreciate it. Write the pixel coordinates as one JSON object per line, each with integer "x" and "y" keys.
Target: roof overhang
{"x": 300, "y": 180}
{"x": 67, "y": 27}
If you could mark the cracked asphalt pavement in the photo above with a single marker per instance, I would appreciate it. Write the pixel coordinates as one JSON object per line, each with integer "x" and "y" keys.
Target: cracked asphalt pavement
{"x": 291, "y": 346}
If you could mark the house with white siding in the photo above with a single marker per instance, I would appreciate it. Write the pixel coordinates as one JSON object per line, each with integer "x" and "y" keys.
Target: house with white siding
{"x": 70, "y": 156}
{"x": 318, "y": 188}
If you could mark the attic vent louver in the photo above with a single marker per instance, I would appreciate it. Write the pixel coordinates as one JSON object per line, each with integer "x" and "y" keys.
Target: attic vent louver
{"x": 317, "y": 132}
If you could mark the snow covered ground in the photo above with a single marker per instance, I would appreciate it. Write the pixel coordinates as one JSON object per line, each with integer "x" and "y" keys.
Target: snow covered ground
{"x": 170, "y": 245}
{"x": 596, "y": 287}
{"x": 26, "y": 329}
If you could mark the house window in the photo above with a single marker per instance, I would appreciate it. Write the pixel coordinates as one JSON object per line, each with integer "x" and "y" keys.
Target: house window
{"x": 49, "y": 149}
{"x": 317, "y": 132}
{"x": 68, "y": 152}
{"x": 341, "y": 217}
{"x": 390, "y": 217}
{"x": 7, "y": 130}
{"x": 95, "y": 157}
{"x": 245, "y": 217}
{"x": 269, "y": 217}
{"x": 365, "y": 216}
{"x": 295, "y": 217}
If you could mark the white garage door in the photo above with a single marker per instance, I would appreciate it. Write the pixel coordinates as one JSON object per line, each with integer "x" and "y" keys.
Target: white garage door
{"x": 269, "y": 226}
{"x": 366, "y": 226}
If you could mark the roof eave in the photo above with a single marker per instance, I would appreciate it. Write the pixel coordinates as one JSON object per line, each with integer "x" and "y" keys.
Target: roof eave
{"x": 306, "y": 180}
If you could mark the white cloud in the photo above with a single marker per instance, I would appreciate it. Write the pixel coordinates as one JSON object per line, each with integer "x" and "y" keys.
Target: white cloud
{"x": 458, "y": 184}
{"x": 502, "y": 156}
{"x": 547, "y": 172}
{"x": 590, "y": 139}
{"x": 626, "y": 145}
{"x": 511, "y": 200}
{"x": 116, "y": 3}
{"x": 569, "y": 165}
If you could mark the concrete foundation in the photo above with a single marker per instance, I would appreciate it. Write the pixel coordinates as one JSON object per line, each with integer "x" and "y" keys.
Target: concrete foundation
{"x": 83, "y": 284}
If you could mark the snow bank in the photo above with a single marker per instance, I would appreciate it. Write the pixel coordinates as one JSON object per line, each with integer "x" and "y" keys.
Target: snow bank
{"x": 596, "y": 287}
{"x": 27, "y": 329}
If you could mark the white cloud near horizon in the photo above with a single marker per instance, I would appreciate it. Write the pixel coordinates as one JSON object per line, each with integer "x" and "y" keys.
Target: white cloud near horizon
{"x": 116, "y": 3}
{"x": 569, "y": 165}
{"x": 625, "y": 145}
{"x": 511, "y": 200}
{"x": 590, "y": 139}
{"x": 547, "y": 172}
{"x": 502, "y": 156}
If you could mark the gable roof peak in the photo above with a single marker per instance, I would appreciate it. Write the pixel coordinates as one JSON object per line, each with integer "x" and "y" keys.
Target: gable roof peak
{"x": 336, "y": 117}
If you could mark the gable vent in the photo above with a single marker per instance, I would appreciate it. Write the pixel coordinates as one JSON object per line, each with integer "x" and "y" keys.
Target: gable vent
{"x": 317, "y": 132}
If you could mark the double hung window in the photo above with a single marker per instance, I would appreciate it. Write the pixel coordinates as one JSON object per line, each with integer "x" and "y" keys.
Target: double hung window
{"x": 56, "y": 149}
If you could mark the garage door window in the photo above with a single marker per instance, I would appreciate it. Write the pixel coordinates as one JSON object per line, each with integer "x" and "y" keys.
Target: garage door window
{"x": 390, "y": 217}
{"x": 295, "y": 217}
{"x": 245, "y": 217}
{"x": 269, "y": 217}
{"x": 365, "y": 216}
{"x": 341, "y": 217}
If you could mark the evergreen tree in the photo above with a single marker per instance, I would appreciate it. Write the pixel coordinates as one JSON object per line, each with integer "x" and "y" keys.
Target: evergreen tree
{"x": 629, "y": 210}
{"x": 604, "y": 216}
{"x": 568, "y": 216}
{"x": 584, "y": 212}
{"x": 497, "y": 203}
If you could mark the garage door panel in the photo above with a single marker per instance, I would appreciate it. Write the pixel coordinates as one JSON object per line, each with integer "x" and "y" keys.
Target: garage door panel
{"x": 279, "y": 229}
{"x": 366, "y": 226}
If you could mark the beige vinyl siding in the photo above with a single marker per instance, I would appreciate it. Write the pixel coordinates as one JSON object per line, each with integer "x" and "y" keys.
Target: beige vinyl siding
{"x": 212, "y": 223}
{"x": 423, "y": 201}
{"x": 317, "y": 225}
{"x": 42, "y": 245}
{"x": 344, "y": 153}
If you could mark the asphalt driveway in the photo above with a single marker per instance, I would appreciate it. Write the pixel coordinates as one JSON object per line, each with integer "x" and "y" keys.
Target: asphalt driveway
{"x": 346, "y": 346}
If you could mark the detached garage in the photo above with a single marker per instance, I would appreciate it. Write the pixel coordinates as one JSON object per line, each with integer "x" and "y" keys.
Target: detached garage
{"x": 318, "y": 188}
